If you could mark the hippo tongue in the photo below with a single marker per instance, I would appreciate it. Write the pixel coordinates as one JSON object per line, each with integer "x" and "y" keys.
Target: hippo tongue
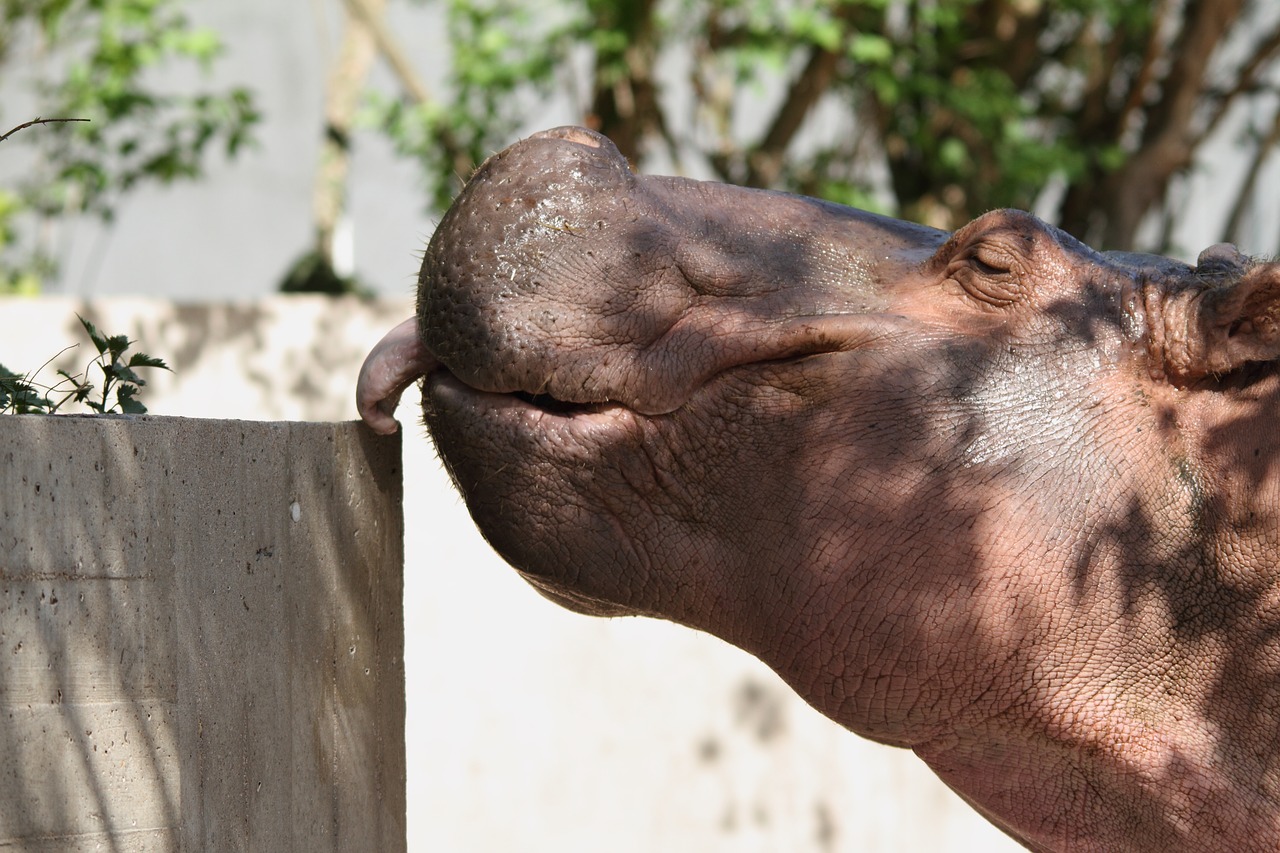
{"x": 391, "y": 367}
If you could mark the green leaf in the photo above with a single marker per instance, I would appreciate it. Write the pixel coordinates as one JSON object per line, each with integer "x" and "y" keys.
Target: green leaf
{"x": 809, "y": 26}
{"x": 117, "y": 344}
{"x": 870, "y": 49}
{"x": 121, "y": 373}
{"x": 126, "y": 397}
{"x": 99, "y": 340}
{"x": 81, "y": 388}
{"x": 141, "y": 359}
{"x": 19, "y": 394}
{"x": 1112, "y": 158}
{"x": 953, "y": 154}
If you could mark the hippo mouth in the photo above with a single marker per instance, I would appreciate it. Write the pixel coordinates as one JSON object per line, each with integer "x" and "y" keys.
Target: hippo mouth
{"x": 450, "y": 405}
{"x": 554, "y": 406}
{"x": 549, "y": 405}
{"x": 447, "y": 387}
{"x": 444, "y": 385}
{"x": 446, "y": 393}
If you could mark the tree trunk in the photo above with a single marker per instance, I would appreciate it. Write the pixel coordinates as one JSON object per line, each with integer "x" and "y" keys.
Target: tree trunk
{"x": 346, "y": 81}
{"x": 625, "y": 104}
{"x": 1170, "y": 138}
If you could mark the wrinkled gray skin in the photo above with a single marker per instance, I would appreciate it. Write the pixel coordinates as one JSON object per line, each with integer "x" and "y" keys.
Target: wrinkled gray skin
{"x": 991, "y": 496}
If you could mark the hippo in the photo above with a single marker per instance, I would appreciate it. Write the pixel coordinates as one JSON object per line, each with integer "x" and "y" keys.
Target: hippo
{"x": 991, "y": 496}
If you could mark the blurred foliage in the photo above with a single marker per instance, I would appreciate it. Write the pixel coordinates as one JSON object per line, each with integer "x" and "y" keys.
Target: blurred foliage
{"x": 505, "y": 55}
{"x": 131, "y": 67}
{"x": 314, "y": 273}
{"x": 936, "y": 110}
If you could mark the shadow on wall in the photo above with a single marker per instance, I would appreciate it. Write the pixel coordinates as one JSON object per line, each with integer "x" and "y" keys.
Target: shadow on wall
{"x": 87, "y": 730}
{"x": 201, "y": 635}
{"x": 280, "y": 358}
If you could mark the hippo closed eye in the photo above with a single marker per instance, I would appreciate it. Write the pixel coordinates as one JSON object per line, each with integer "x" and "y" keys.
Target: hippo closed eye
{"x": 991, "y": 496}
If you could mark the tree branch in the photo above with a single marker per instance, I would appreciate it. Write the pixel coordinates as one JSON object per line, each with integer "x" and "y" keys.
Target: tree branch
{"x": 390, "y": 49}
{"x": 765, "y": 163}
{"x": 1246, "y": 78}
{"x": 36, "y": 121}
{"x": 1231, "y": 232}
{"x": 1138, "y": 91}
{"x": 625, "y": 105}
{"x": 1169, "y": 139}
{"x": 713, "y": 96}
{"x": 346, "y": 79}
{"x": 409, "y": 79}
{"x": 1005, "y": 35}
{"x": 1205, "y": 26}
{"x": 1093, "y": 119}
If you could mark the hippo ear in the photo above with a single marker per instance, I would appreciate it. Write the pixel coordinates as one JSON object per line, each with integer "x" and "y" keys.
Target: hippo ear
{"x": 1238, "y": 323}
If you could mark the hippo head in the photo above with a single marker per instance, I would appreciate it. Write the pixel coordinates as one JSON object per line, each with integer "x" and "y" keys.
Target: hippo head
{"x": 990, "y": 495}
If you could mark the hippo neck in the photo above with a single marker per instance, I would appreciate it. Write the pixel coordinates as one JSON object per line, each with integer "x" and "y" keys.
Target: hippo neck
{"x": 1224, "y": 594}
{"x": 1175, "y": 563}
{"x": 1233, "y": 452}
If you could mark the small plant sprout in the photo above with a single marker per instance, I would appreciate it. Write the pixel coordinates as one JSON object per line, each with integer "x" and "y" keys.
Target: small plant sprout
{"x": 21, "y": 394}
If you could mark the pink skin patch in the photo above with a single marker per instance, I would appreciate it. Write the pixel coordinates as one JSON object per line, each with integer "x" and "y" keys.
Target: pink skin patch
{"x": 391, "y": 366}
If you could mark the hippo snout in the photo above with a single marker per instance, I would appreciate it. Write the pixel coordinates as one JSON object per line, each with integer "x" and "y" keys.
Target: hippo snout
{"x": 560, "y": 273}
{"x": 498, "y": 286}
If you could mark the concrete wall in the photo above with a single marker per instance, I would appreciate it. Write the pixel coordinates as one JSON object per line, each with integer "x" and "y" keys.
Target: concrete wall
{"x": 201, "y": 635}
{"x": 531, "y": 728}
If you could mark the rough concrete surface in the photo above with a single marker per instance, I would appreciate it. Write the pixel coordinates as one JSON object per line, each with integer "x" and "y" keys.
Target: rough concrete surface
{"x": 530, "y": 728}
{"x": 201, "y": 636}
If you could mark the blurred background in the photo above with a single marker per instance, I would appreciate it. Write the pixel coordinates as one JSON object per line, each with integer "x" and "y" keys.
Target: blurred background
{"x": 235, "y": 149}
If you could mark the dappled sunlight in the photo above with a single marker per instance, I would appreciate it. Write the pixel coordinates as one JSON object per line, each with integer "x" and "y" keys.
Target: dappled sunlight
{"x": 969, "y": 515}
{"x": 189, "y": 658}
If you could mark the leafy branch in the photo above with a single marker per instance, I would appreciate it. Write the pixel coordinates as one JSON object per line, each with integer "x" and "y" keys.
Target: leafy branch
{"x": 110, "y": 62}
{"x": 21, "y": 394}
